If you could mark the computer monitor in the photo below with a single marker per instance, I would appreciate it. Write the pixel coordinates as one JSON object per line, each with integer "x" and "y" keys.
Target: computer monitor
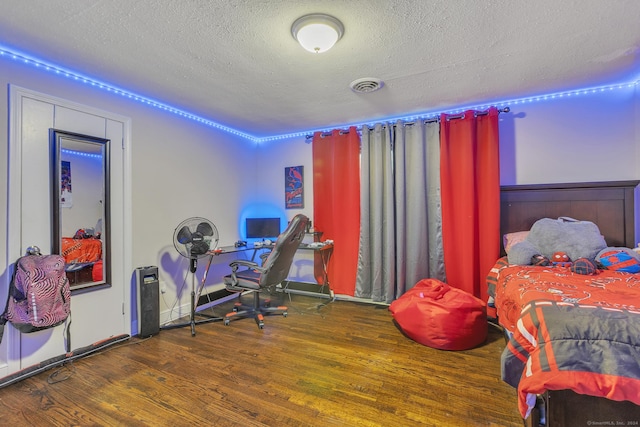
{"x": 262, "y": 228}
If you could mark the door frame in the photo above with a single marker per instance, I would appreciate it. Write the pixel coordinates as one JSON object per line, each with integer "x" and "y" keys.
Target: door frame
{"x": 10, "y": 351}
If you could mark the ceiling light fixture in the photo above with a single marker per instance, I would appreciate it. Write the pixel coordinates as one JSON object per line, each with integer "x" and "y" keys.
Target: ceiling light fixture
{"x": 317, "y": 32}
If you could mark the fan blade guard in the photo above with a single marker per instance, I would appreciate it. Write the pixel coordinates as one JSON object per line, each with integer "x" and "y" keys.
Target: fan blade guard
{"x": 195, "y": 237}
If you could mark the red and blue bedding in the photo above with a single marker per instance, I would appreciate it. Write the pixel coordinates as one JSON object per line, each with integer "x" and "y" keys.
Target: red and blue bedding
{"x": 77, "y": 251}
{"x": 568, "y": 331}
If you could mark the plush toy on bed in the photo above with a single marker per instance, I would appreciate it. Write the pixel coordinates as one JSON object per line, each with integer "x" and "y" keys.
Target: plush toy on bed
{"x": 577, "y": 239}
{"x": 540, "y": 260}
{"x": 558, "y": 259}
{"x": 584, "y": 266}
{"x": 561, "y": 259}
{"x": 555, "y": 242}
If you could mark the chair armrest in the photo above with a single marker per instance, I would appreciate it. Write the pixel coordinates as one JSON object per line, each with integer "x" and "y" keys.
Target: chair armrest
{"x": 244, "y": 263}
{"x": 234, "y": 269}
{"x": 264, "y": 256}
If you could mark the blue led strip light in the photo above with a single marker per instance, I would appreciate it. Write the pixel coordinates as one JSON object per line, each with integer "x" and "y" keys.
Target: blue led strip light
{"x": 81, "y": 154}
{"x": 499, "y": 104}
{"x": 6, "y": 53}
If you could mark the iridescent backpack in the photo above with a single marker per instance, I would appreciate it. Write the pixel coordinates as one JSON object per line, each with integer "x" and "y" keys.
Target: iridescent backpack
{"x": 39, "y": 294}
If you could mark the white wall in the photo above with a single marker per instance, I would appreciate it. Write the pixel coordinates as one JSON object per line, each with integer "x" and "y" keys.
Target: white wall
{"x": 179, "y": 169}
{"x": 273, "y": 157}
{"x": 581, "y": 138}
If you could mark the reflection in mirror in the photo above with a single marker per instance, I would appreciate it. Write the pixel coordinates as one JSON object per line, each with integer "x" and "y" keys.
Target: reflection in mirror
{"x": 80, "y": 207}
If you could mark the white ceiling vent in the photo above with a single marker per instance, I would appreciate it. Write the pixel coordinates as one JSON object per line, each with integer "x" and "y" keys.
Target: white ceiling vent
{"x": 366, "y": 85}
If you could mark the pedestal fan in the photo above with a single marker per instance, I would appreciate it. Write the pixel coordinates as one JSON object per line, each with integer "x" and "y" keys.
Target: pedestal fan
{"x": 193, "y": 238}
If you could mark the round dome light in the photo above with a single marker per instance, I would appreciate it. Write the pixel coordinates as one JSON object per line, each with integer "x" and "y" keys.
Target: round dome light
{"x": 317, "y": 32}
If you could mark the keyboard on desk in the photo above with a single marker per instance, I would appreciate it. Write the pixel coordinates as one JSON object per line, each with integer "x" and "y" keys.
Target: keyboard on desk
{"x": 315, "y": 245}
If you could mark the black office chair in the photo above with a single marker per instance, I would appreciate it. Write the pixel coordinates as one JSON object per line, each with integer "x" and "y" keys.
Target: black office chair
{"x": 265, "y": 277}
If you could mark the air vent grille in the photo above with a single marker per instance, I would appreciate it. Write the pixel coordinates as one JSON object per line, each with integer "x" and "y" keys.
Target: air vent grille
{"x": 366, "y": 85}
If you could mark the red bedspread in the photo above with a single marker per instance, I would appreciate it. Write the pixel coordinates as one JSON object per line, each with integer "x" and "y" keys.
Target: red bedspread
{"x": 569, "y": 331}
{"x": 81, "y": 250}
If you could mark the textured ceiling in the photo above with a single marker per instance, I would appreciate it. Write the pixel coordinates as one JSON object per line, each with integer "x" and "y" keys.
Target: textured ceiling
{"x": 235, "y": 61}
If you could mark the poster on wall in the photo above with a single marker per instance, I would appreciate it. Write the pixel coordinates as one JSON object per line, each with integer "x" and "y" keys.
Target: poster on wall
{"x": 66, "y": 199}
{"x": 294, "y": 187}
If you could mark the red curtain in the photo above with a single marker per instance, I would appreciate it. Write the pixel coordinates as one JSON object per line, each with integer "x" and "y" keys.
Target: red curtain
{"x": 336, "y": 203}
{"x": 470, "y": 185}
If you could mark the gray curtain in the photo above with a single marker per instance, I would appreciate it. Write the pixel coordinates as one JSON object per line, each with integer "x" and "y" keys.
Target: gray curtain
{"x": 401, "y": 224}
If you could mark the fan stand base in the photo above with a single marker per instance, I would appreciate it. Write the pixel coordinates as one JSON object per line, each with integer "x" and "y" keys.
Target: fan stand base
{"x": 192, "y": 318}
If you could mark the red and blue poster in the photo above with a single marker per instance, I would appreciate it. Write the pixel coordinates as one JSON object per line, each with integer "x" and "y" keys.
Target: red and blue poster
{"x": 66, "y": 199}
{"x": 294, "y": 187}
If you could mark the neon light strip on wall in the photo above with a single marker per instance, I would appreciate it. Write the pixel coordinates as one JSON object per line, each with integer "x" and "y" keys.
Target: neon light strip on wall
{"x": 42, "y": 65}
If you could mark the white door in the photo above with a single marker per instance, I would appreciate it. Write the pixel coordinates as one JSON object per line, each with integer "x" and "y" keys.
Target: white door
{"x": 97, "y": 314}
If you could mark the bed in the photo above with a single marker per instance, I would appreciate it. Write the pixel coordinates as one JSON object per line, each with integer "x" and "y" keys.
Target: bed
{"x": 573, "y": 340}
{"x": 81, "y": 257}
{"x": 81, "y": 250}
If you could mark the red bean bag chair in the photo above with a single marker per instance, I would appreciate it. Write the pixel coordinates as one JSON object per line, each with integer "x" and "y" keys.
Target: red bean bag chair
{"x": 437, "y": 315}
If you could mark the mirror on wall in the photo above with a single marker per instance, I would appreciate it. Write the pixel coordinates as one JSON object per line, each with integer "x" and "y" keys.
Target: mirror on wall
{"x": 80, "y": 207}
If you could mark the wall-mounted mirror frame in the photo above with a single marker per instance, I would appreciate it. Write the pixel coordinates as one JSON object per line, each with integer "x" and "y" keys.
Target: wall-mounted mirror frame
{"x": 80, "y": 206}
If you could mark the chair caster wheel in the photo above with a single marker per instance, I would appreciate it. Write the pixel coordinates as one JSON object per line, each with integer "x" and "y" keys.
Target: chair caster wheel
{"x": 226, "y": 322}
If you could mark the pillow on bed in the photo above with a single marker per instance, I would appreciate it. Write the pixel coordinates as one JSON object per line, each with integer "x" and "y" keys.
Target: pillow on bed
{"x": 510, "y": 239}
{"x": 579, "y": 239}
{"x": 522, "y": 253}
{"x": 619, "y": 259}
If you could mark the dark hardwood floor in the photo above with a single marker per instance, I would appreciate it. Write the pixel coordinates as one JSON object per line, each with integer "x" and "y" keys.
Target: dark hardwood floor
{"x": 343, "y": 364}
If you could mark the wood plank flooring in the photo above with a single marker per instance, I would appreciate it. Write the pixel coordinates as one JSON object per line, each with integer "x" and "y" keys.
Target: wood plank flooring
{"x": 342, "y": 364}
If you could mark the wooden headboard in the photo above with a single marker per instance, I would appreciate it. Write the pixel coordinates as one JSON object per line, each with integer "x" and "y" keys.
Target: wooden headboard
{"x": 610, "y": 205}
